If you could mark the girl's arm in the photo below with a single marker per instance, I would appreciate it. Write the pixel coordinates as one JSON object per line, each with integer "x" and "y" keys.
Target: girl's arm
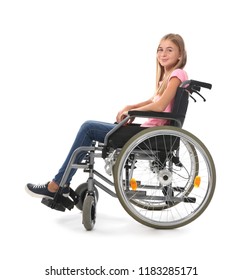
{"x": 123, "y": 113}
{"x": 167, "y": 96}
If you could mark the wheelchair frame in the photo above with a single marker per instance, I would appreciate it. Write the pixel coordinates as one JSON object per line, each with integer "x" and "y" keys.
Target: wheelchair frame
{"x": 164, "y": 177}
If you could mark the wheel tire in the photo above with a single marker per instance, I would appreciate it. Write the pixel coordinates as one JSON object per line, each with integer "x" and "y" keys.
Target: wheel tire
{"x": 89, "y": 212}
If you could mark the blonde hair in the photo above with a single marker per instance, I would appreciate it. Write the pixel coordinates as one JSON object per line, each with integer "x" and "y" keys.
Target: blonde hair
{"x": 178, "y": 41}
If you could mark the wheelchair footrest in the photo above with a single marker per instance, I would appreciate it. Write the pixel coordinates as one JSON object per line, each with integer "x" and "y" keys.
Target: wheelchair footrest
{"x": 52, "y": 204}
{"x": 59, "y": 203}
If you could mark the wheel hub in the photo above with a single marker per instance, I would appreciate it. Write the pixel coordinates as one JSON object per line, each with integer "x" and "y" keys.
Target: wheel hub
{"x": 165, "y": 177}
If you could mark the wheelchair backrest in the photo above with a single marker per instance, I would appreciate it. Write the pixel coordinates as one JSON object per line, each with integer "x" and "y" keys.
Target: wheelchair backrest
{"x": 180, "y": 106}
{"x": 186, "y": 89}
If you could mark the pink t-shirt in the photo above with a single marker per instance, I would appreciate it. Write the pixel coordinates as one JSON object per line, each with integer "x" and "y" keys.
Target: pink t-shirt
{"x": 182, "y": 76}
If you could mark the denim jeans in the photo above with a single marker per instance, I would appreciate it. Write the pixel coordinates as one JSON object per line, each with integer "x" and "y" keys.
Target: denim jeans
{"x": 88, "y": 132}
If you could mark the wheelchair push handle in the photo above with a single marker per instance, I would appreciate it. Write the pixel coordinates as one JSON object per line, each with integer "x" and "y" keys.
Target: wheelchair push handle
{"x": 195, "y": 84}
{"x": 201, "y": 84}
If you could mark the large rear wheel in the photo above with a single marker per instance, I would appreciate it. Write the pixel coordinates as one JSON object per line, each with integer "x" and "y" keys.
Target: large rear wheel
{"x": 164, "y": 177}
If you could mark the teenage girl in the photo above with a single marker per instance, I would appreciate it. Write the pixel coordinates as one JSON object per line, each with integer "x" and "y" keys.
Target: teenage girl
{"x": 171, "y": 58}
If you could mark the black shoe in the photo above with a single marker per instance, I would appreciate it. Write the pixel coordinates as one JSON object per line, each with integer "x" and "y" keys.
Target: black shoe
{"x": 39, "y": 190}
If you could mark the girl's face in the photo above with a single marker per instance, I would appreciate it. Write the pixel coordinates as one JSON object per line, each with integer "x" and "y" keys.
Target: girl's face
{"x": 168, "y": 54}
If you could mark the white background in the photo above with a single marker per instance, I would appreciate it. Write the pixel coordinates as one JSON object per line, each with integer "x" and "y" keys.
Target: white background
{"x": 63, "y": 62}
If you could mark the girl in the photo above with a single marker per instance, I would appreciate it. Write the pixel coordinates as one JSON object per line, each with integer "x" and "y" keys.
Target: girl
{"x": 170, "y": 59}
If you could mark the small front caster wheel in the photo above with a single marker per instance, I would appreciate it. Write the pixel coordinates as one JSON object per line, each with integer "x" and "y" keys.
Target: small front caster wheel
{"x": 81, "y": 191}
{"x": 89, "y": 212}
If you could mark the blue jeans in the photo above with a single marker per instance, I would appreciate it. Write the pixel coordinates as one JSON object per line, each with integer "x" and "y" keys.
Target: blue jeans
{"x": 88, "y": 132}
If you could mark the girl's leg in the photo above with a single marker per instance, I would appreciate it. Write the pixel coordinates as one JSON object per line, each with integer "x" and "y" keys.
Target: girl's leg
{"x": 88, "y": 132}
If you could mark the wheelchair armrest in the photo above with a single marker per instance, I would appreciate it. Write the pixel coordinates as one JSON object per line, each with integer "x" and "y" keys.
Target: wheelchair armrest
{"x": 157, "y": 115}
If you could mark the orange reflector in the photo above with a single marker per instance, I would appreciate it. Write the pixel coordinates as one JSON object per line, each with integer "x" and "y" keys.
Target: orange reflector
{"x": 197, "y": 181}
{"x": 133, "y": 184}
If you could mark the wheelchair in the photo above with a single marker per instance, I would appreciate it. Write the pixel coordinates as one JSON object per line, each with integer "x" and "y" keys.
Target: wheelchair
{"x": 164, "y": 176}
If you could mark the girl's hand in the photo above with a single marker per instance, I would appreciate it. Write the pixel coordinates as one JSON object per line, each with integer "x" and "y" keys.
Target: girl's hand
{"x": 121, "y": 115}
